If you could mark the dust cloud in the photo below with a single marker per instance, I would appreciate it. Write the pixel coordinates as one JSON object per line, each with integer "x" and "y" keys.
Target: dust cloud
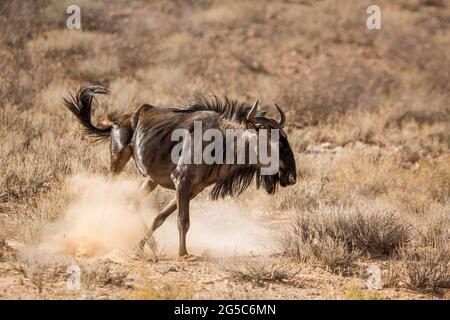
{"x": 218, "y": 228}
{"x": 100, "y": 221}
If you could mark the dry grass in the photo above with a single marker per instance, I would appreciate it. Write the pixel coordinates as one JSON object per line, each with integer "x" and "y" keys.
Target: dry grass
{"x": 261, "y": 272}
{"x": 331, "y": 253}
{"x": 98, "y": 69}
{"x": 59, "y": 44}
{"x": 395, "y": 178}
{"x": 334, "y": 87}
{"x": 228, "y": 13}
{"x": 164, "y": 290}
{"x": 368, "y": 113}
{"x": 336, "y": 237}
{"x": 424, "y": 268}
{"x": 353, "y": 292}
{"x": 435, "y": 230}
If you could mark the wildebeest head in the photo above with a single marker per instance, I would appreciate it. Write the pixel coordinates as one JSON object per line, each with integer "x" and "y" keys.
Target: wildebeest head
{"x": 287, "y": 174}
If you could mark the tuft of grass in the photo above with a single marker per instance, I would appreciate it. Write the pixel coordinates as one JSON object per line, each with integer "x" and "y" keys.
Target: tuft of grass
{"x": 99, "y": 68}
{"x": 164, "y": 290}
{"x": 434, "y": 230}
{"x": 331, "y": 253}
{"x": 261, "y": 272}
{"x": 229, "y": 13}
{"x": 336, "y": 236}
{"x": 58, "y": 43}
{"x": 353, "y": 292}
{"x": 356, "y": 229}
{"x": 425, "y": 268}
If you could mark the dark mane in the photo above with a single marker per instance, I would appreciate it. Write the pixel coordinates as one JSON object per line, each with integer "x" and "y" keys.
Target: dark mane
{"x": 240, "y": 180}
{"x": 227, "y": 108}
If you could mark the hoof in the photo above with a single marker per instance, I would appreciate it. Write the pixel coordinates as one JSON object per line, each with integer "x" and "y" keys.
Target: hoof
{"x": 139, "y": 252}
{"x": 189, "y": 258}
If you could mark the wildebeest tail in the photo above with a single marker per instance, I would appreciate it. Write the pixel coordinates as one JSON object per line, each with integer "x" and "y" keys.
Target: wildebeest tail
{"x": 81, "y": 106}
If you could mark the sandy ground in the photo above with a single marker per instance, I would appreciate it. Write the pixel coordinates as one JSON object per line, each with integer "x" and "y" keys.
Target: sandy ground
{"x": 24, "y": 276}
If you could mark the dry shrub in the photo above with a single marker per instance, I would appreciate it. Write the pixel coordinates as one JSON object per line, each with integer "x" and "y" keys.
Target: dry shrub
{"x": 169, "y": 84}
{"x": 374, "y": 174}
{"x": 29, "y": 77}
{"x": 22, "y": 20}
{"x": 21, "y": 78}
{"x": 177, "y": 46}
{"x": 332, "y": 253}
{"x": 33, "y": 157}
{"x": 58, "y": 43}
{"x": 402, "y": 44}
{"x": 361, "y": 126}
{"x": 261, "y": 272}
{"x": 98, "y": 68}
{"x": 436, "y": 65}
{"x": 421, "y": 97}
{"x": 126, "y": 96}
{"x": 417, "y": 48}
{"x": 433, "y": 228}
{"x": 7, "y": 253}
{"x": 349, "y": 231}
{"x": 25, "y": 172}
{"x": 425, "y": 268}
{"x": 362, "y": 173}
{"x": 229, "y": 13}
{"x": 334, "y": 87}
{"x": 429, "y": 183}
{"x": 347, "y": 19}
{"x": 306, "y": 195}
{"x": 417, "y": 120}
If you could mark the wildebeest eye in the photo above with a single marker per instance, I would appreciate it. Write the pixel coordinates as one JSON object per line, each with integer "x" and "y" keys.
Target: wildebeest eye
{"x": 282, "y": 144}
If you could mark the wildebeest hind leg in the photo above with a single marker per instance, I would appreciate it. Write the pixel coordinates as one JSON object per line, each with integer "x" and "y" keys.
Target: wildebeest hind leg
{"x": 159, "y": 219}
{"x": 146, "y": 188}
{"x": 120, "y": 149}
{"x": 163, "y": 215}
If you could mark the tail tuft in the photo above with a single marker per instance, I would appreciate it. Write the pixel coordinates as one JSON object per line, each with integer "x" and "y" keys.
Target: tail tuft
{"x": 81, "y": 106}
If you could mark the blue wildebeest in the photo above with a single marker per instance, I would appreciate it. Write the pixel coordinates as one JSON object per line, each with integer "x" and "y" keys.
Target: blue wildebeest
{"x": 146, "y": 136}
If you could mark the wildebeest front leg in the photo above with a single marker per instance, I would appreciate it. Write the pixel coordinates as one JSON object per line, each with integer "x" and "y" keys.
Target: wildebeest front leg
{"x": 183, "y": 180}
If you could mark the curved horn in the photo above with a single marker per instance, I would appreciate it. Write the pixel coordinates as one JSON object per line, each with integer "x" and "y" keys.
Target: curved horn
{"x": 283, "y": 116}
{"x": 252, "y": 113}
{"x": 269, "y": 123}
